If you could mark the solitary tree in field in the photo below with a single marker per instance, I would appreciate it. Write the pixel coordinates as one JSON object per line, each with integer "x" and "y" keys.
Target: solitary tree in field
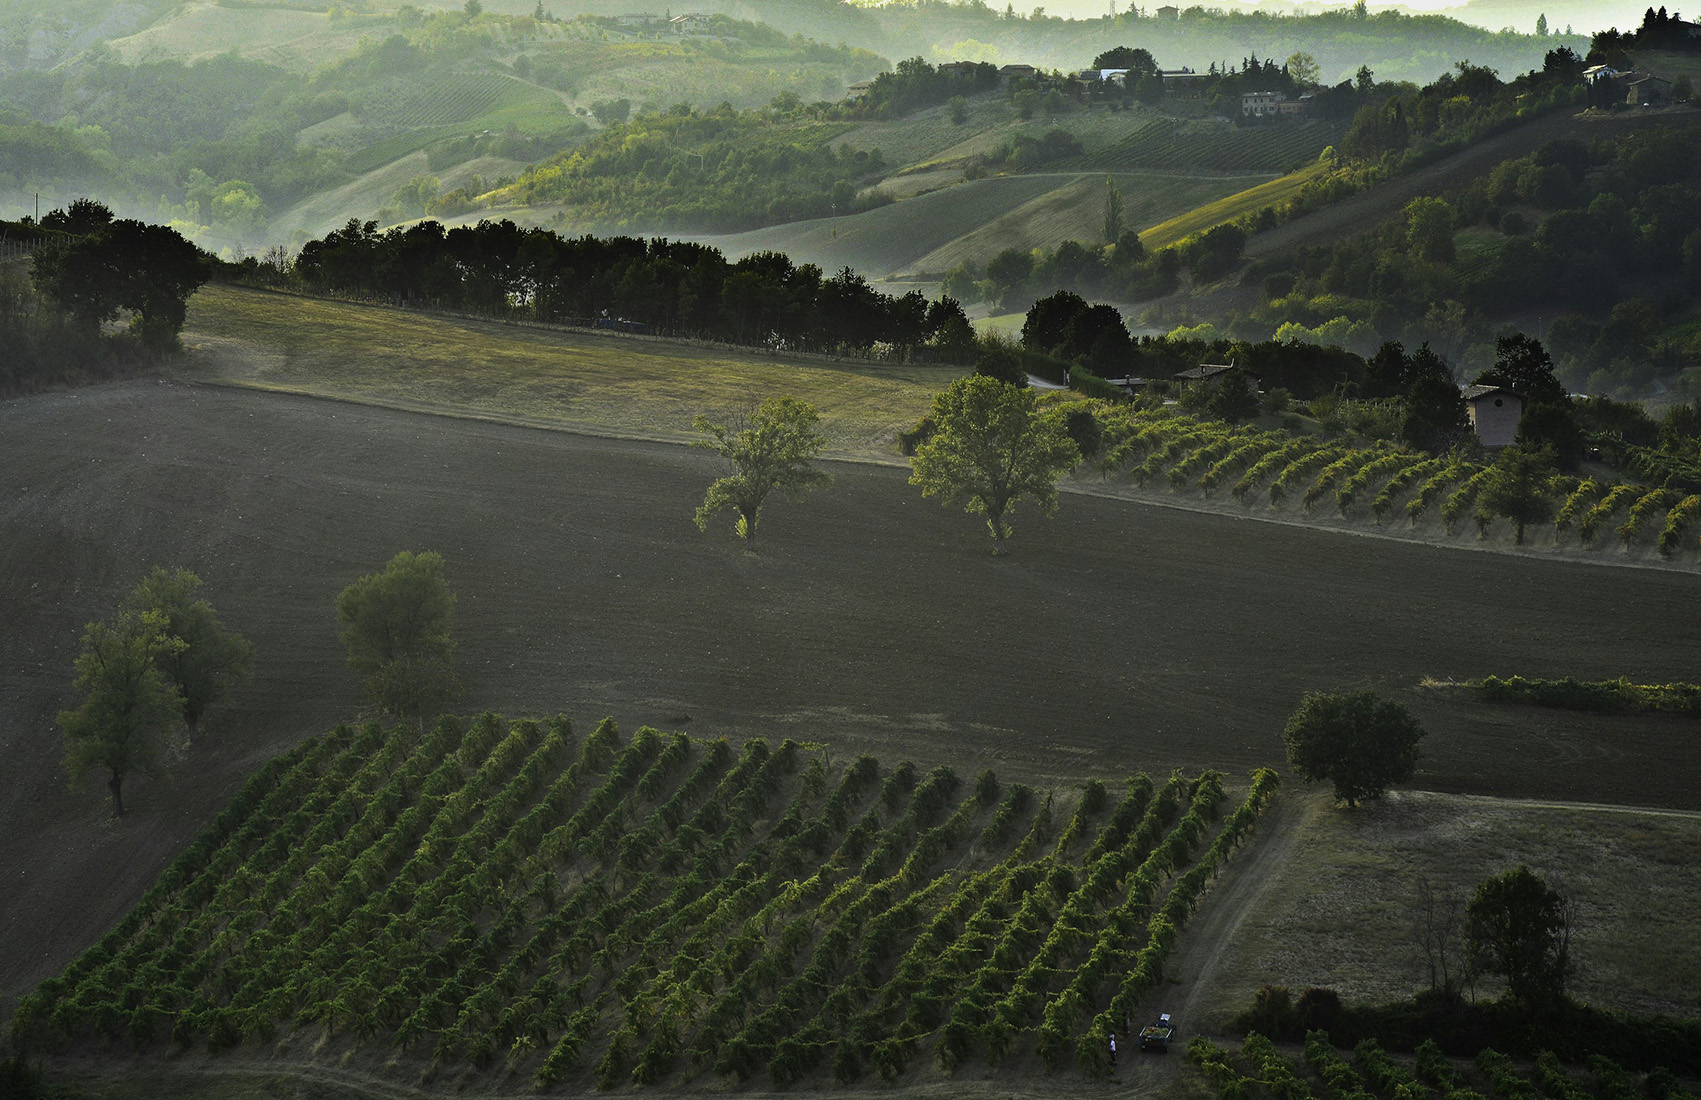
{"x": 1518, "y": 488}
{"x": 129, "y": 704}
{"x": 209, "y": 656}
{"x": 148, "y": 269}
{"x": 773, "y": 449}
{"x": 395, "y": 625}
{"x": 1360, "y": 742}
{"x": 990, "y": 448}
{"x": 1518, "y": 927}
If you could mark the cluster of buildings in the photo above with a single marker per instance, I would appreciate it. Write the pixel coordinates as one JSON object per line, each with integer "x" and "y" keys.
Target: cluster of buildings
{"x": 692, "y": 22}
{"x": 1632, "y": 88}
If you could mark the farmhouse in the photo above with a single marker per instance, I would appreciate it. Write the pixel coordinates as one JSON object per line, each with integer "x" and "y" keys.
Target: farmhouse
{"x": 1008, "y": 73}
{"x": 956, "y": 68}
{"x": 859, "y": 89}
{"x": 1494, "y": 413}
{"x": 1261, "y": 104}
{"x": 1169, "y": 11}
{"x": 692, "y": 22}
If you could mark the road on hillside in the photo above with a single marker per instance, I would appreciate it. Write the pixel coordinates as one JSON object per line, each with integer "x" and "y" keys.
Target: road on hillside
{"x": 1363, "y": 210}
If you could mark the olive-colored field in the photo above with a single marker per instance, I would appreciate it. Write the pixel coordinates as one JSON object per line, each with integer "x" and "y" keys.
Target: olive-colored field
{"x": 1117, "y": 636}
{"x": 608, "y": 383}
{"x": 1338, "y": 911}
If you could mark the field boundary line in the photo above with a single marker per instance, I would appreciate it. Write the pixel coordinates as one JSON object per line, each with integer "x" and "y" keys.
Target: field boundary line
{"x": 516, "y": 420}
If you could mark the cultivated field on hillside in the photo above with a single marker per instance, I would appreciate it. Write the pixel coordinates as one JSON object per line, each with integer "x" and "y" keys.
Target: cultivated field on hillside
{"x": 553, "y": 908}
{"x": 606, "y": 382}
{"x": 1115, "y": 637}
{"x": 975, "y": 221}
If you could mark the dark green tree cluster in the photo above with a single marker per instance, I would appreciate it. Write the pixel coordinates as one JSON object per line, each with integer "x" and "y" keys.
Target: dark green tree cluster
{"x": 1616, "y": 219}
{"x": 914, "y": 84}
{"x": 149, "y": 270}
{"x": 659, "y": 285}
{"x": 163, "y": 660}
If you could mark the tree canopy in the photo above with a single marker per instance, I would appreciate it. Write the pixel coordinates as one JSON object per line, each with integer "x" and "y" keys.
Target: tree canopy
{"x": 1518, "y": 487}
{"x": 773, "y": 448}
{"x": 148, "y": 269}
{"x": 129, "y": 704}
{"x": 395, "y": 625}
{"x": 1357, "y": 740}
{"x": 1518, "y": 927}
{"x": 990, "y": 448}
{"x": 209, "y": 656}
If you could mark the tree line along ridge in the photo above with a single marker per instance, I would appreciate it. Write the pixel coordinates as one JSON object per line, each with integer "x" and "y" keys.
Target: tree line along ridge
{"x": 515, "y": 897}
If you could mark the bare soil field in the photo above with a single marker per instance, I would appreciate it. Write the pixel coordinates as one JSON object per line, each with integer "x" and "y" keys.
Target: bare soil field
{"x": 1115, "y": 637}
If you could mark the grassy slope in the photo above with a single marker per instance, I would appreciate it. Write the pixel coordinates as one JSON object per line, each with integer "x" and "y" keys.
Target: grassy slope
{"x": 1227, "y": 209}
{"x": 295, "y": 39}
{"x": 1636, "y": 943}
{"x": 625, "y": 385}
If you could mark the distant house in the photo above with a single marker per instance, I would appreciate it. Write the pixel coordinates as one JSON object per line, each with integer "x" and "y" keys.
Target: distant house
{"x": 859, "y": 89}
{"x": 1646, "y": 90}
{"x": 1261, "y": 104}
{"x": 1118, "y": 77}
{"x": 957, "y": 68}
{"x": 1597, "y": 73}
{"x": 1214, "y": 373}
{"x": 1295, "y": 108}
{"x": 1494, "y": 413}
{"x": 1169, "y": 11}
{"x": 1008, "y": 73}
{"x": 692, "y": 22}
{"x": 635, "y": 19}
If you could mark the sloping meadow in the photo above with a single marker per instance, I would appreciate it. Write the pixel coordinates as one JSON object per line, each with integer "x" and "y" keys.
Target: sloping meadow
{"x": 508, "y": 899}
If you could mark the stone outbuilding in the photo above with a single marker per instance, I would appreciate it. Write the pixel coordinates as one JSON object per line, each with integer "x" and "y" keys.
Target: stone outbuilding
{"x": 1494, "y": 413}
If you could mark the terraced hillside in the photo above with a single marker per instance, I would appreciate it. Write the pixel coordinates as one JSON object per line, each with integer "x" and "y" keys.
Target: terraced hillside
{"x": 525, "y": 902}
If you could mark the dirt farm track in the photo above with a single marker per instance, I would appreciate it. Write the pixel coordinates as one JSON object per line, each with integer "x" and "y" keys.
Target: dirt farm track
{"x": 1116, "y": 637}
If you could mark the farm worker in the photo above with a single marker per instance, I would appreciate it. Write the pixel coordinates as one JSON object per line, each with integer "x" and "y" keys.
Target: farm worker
{"x": 1113, "y": 1048}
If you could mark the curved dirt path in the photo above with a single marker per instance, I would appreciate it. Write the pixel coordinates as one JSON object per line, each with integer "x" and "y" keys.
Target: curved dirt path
{"x": 1194, "y": 968}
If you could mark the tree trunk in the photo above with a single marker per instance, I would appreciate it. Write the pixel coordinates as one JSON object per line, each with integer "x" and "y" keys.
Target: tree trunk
{"x": 1519, "y": 539}
{"x": 116, "y": 786}
{"x": 749, "y": 531}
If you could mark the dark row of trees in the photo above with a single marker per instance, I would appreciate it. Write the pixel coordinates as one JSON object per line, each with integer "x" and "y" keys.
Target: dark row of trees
{"x": 679, "y": 287}
{"x": 88, "y": 269}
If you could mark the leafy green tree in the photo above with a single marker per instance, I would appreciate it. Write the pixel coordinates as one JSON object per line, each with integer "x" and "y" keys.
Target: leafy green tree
{"x": 991, "y": 448}
{"x": 1436, "y": 415}
{"x": 1359, "y": 741}
{"x": 395, "y": 625}
{"x": 129, "y": 704}
{"x": 1517, "y": 487}
{"x": 1519, "y": 928}
{"x": 210, "y": 654}
{"x": 1303, "y": 69}
{"x": 148, "y": 269}
{"x": 1523, "y": 366}
{"x": 1048, "y": 320}
{"x": 774, "y": 449}
{"x": 1554, "y": 425}
{"x": 1429, "y": 229}
{"x": 958, "y": 107}
{"x": 1233, "y": 399}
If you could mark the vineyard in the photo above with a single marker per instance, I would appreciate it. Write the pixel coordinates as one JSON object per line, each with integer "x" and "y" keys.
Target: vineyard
{"x": 511, "y": 898}
{"x": 1169, "y": 144}
{"x": 1161, "y": 448}
{"x": 1322, "y": 1071}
